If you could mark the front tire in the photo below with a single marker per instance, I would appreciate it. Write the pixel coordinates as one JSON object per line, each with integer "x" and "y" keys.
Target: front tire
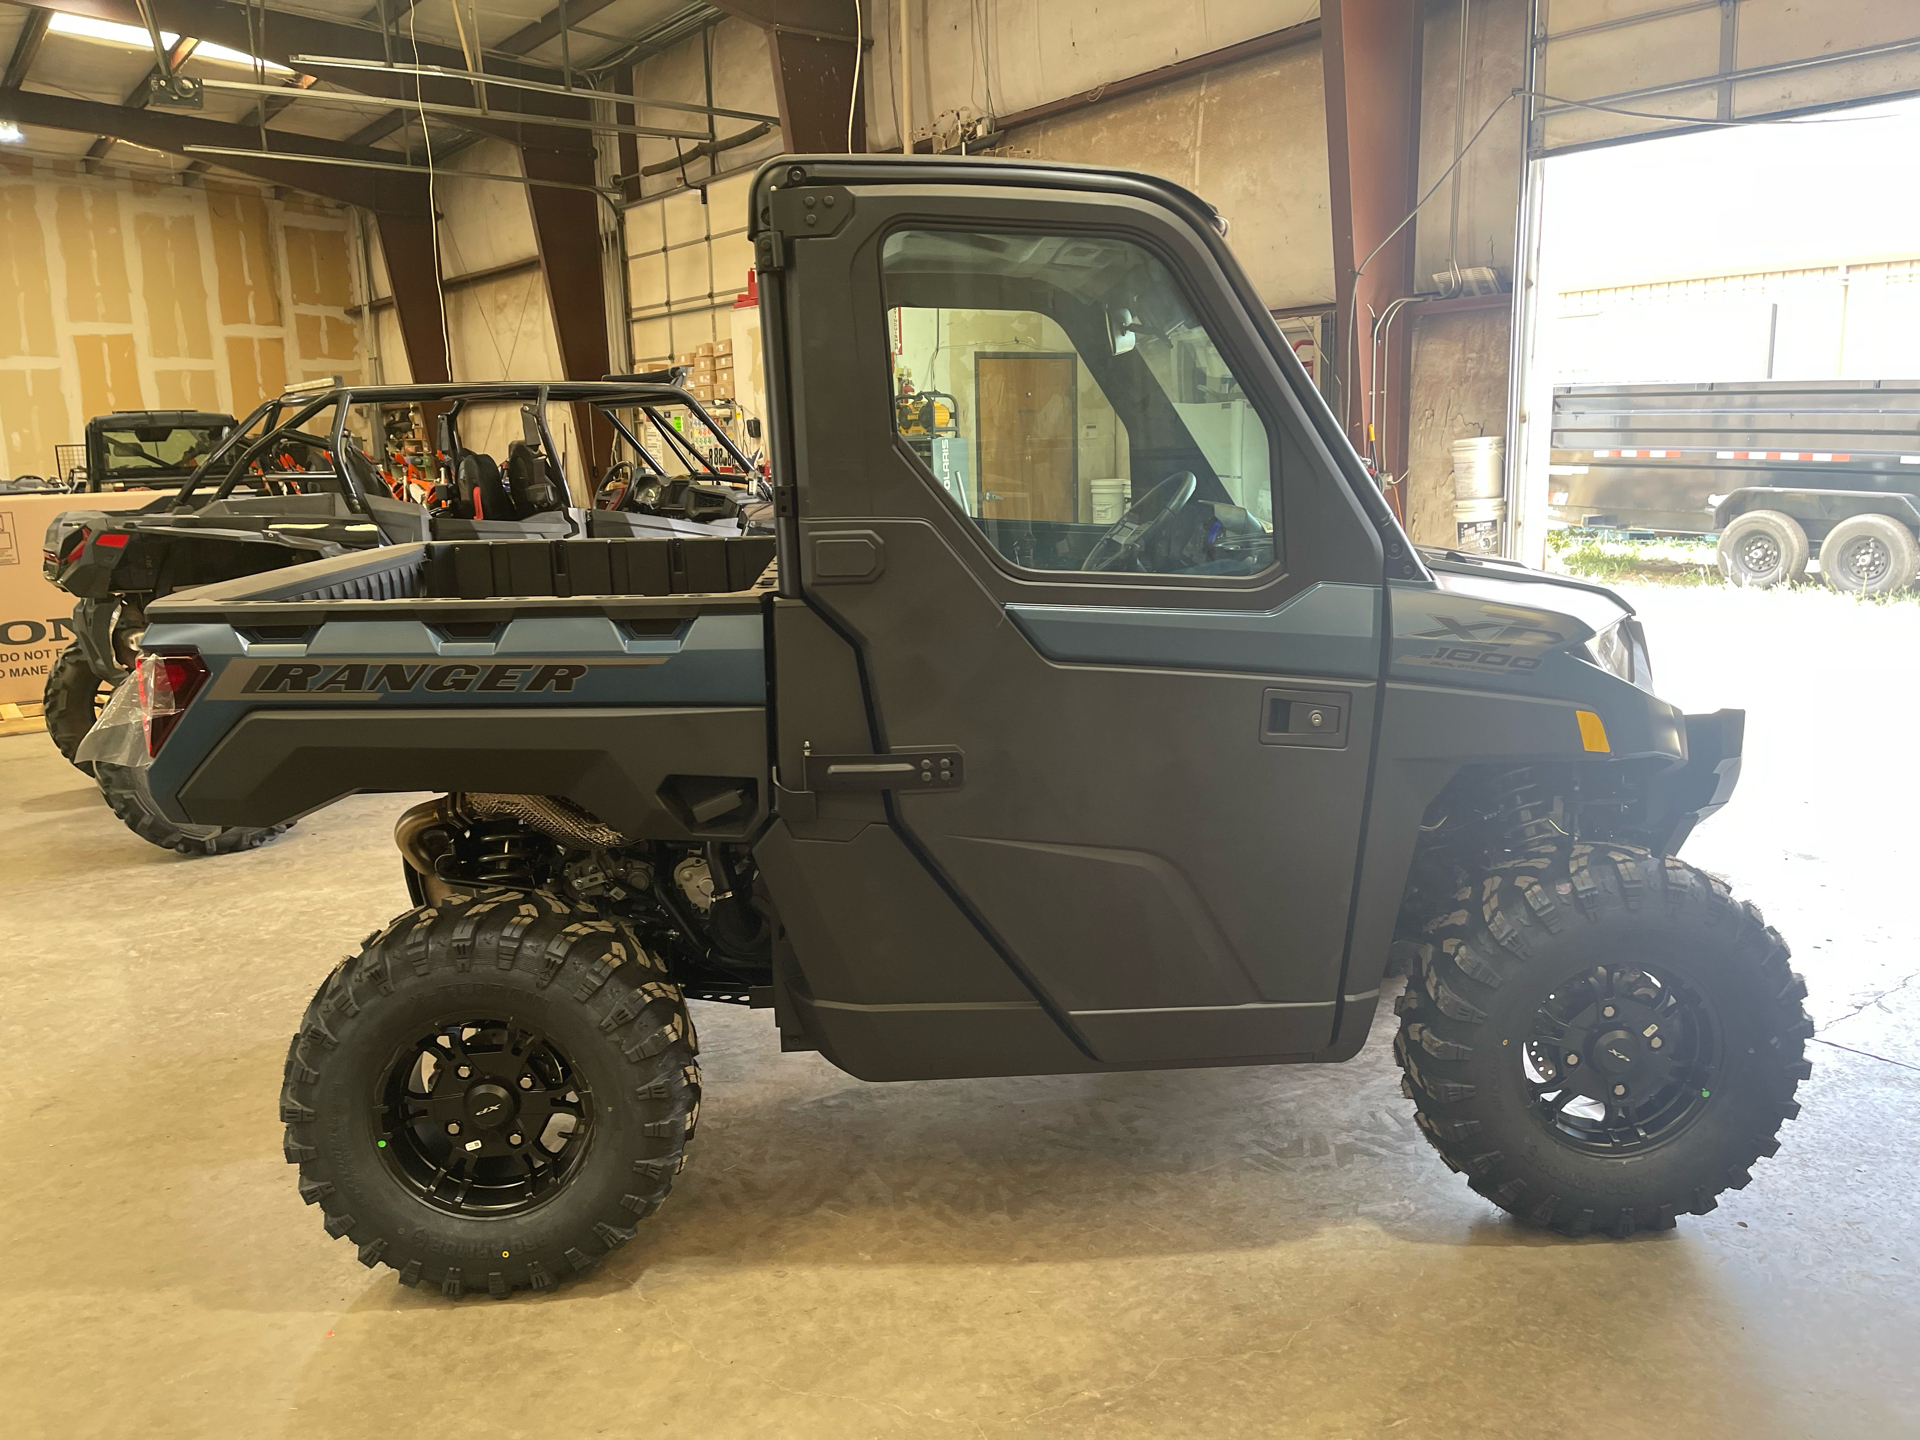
{"x": 1602, "y": 1039}
{"x": 492, "y": 1093}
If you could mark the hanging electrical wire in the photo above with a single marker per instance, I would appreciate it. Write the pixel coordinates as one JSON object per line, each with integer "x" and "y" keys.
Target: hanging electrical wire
{"x": 859, "y": 54}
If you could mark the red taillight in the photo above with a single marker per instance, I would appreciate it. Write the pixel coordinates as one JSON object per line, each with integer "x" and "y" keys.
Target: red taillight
{"x": 166, "y": 686}
{"x": 111, "y": 540}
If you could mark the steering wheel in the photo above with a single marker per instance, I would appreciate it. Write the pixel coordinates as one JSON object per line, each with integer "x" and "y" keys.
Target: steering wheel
{"x": 1145, "y": 518}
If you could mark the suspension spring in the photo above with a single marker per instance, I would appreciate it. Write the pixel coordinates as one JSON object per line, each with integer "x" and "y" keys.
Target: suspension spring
{"x": 1525, "y": 816}
{"x": 501, "y": 856}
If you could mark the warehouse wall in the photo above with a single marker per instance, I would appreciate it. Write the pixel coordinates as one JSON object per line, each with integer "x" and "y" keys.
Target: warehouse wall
{"x": 499, "y": 320}
{"x": 1459, "y": 389}
{"x": 1010, "y": 55}
{"x": 119, "y": 291}
{"x": 742, "y": 80}
{"x": 1250, "y": 138}
{"x": 1460, "y": 360}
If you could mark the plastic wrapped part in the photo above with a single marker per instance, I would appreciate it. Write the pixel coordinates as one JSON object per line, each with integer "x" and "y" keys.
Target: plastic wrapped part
{"x": 119, "y": 736}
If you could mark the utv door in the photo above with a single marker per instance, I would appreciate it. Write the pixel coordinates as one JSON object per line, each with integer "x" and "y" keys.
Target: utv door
{"x": 1113, "y": 614}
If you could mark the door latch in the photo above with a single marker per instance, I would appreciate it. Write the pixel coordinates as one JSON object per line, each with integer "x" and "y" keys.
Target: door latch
{"x": 936, "y": 768}
{"x": 1305, "y": 717}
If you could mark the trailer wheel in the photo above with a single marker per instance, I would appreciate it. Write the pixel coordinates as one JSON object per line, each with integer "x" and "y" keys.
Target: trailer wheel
{"x": 1762, "y": 549}
{"x": 1869, "y": 555}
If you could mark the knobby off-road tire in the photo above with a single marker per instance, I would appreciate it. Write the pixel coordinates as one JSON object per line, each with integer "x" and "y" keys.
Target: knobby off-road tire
{"x": 73, "y": 700}
{"x": 515, "y": 999}
{"x": 1592, "y": 946}
{"x": 125, "y": 789}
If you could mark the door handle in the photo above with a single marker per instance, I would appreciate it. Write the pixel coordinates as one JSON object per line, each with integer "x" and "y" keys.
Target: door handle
{"x": 938, "y": 768}
{"x": 1305, "y": 717}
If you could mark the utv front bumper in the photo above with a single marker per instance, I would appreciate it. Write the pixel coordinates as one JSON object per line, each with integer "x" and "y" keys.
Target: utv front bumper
{"x": 1681, "y": 798}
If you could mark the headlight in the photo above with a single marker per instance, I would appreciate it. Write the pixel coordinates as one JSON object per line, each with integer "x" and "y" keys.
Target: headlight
{"x": 1621, "y": 649}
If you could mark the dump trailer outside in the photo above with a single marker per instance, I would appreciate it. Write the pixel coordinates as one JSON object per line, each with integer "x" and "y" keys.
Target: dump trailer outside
{"x": 1661, "y": 458}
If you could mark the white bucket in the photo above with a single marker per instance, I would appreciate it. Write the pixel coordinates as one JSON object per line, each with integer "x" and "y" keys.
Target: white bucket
{"x": 1477, "y": 466}
{"x": 1476, "y": 525}
{"x": 1109, "y": 500}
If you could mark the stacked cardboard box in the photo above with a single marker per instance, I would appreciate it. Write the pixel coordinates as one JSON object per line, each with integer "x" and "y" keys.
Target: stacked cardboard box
{"x": 723, "y": 370}
{"x": 700, "y": 383}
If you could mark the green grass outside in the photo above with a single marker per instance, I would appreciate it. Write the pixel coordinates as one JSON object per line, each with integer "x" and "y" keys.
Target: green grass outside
{"x": 1614, "y": 559}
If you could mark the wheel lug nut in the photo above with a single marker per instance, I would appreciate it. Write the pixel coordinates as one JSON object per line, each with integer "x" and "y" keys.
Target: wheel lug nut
{"x": 453, "y": 1127}
{"x": 526, "y": 1082}
{"x": 1619, "y": 1089}
{"x": 465, "y": 1072}
{"x": 514, "y": 1139}
{"x": 1656, "y": 1042}
{"x": 1572, "y": 1059}
{"x": 1608, "y": 1012}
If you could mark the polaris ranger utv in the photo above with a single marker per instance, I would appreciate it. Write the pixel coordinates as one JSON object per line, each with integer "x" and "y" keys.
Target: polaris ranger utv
{"x": 272, "y": 495}
{"x": 986, "y": 788}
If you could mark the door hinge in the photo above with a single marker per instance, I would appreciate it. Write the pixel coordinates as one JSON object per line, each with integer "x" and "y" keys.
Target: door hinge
{"x": 770, "y": 251}
{"x": 786, "y": 501}
{"x": 940, "y": 767}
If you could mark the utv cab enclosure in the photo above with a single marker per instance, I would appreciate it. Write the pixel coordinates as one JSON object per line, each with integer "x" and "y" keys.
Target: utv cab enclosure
{"x": 984, "y": 784}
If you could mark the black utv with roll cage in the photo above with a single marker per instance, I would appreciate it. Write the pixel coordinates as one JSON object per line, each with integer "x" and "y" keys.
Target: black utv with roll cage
{"x": 269, "y": 492}
{"x": 987, "y": 786}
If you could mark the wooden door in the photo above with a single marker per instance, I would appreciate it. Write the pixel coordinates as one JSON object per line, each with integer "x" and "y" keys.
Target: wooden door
{"x": 1025, "y": 423}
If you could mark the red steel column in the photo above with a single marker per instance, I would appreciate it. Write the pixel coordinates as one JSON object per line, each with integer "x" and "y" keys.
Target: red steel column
{"x": 1370, "y": 51}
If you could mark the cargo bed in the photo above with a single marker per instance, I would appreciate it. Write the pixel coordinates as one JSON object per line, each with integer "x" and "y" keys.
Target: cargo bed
{"x": 628, "y": 675}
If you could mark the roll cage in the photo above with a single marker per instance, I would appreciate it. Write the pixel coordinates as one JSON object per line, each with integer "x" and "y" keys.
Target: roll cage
{"x": 235, "y": 459}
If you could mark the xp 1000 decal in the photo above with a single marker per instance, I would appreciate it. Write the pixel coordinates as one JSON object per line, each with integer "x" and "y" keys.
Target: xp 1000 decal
{"x": 1433, "y": 630}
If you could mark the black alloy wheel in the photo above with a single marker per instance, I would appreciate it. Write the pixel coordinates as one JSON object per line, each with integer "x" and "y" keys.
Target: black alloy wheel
{"x": 1619, "y": 1061}
{"x": 1601, "y": 1039}
{"x": 483, "y": 1117}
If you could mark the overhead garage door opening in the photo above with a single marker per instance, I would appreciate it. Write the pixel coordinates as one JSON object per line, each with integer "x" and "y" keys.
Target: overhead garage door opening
{"x": 1722, "y": 285}
{"x": 1729, "y": 326}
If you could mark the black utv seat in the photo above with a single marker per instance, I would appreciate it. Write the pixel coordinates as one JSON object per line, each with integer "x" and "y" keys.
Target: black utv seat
{"x": 532, "y": 480}
{"x": 483, "y": 494}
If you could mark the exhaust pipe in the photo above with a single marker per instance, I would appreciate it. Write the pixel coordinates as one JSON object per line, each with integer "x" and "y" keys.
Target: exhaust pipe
{"x": 553, "y": 817}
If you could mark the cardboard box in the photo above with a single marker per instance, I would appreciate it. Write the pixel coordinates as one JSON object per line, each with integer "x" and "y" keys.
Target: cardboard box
{"x": 36, "y": 616}
{"x": 685, "y": 357}
{"x": 700, "y": 392}
{"x": 706, "y": 349}
{"x": 722, "y": 347}
{"x": 723, "y": 362}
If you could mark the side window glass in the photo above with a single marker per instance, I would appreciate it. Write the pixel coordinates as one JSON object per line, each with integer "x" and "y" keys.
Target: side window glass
{"x": 1063, "y": 394}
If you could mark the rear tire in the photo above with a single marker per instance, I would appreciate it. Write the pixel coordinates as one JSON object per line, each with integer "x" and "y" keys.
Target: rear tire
{"x": 1762, "y": 549}
{"x": 1602, "y": 969}
{"x": 550, "y": 1115}
{"x": 1869, "y": 555}
{"x": 74, "y": 698}
{"x": 125, "y": 789}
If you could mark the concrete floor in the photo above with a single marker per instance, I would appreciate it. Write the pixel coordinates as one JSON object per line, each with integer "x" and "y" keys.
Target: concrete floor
{"x": 1217, "y": 1253}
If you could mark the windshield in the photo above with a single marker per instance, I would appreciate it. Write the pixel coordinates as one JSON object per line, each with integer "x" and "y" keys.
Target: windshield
{"x": 141, "y": 451}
